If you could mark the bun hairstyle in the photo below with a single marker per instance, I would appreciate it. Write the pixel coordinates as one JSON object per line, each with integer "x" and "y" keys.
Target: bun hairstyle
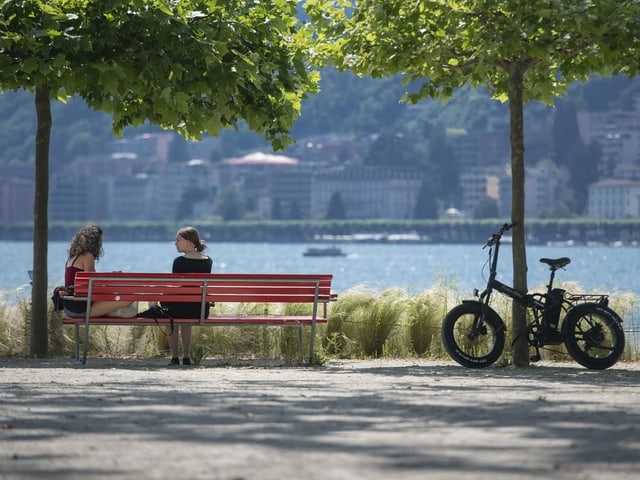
{"x": 191, "y": 234}
{"x": 88, "y": 239}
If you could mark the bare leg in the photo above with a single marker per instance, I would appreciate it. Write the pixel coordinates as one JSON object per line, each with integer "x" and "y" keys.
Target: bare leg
{"x": 185, "y": 331}
{"x": 100, "y": 309}
{"x": 173, "y": 341}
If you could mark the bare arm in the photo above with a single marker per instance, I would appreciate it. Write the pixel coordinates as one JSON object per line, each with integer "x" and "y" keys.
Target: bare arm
{"x": 86, "y": 262}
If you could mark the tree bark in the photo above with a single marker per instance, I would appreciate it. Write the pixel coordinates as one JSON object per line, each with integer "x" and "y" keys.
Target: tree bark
{"x": 39, "y": 291}
{"x": 518, "y": 318}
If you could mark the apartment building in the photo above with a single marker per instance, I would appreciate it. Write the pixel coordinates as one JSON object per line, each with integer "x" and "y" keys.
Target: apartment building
{"x": 542, "y": 184}
{"x": 122, "y": 191}
{"x": 478, "y": 183}
{"x": 367, "y": 191}
{"x": 16, "y": 199}
{"x": 541, "y": 187}
{"x": 618, "y": 135}
{"x": 253, "y": 171}
{"x": 614, "y": 198}
{"x": 480, "y": 149}
{"x": 289, "y": 197}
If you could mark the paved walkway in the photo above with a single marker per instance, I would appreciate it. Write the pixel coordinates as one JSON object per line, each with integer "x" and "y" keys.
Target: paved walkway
{"x": 138, "y": 420}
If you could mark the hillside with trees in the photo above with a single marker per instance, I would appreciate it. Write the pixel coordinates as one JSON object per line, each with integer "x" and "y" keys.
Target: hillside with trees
{"x": 347, "y": 107}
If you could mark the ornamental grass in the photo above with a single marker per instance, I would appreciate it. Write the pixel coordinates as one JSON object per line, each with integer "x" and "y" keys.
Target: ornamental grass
{"x": 363, "y": 323}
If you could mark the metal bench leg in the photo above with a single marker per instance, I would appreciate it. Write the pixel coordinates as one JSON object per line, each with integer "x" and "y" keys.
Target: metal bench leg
{"x": 86, "y": 343}
{"x": 300, "y": 345}
{"x": 312, "y": 341}
{"x": 77, "y": 342}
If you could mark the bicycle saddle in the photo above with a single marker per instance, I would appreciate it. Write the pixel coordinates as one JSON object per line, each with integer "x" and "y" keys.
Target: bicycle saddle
{"x": 556, "y": 263}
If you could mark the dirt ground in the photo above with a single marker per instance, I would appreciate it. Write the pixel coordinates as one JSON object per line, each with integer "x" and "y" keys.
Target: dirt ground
{"x": 405, "y": 419}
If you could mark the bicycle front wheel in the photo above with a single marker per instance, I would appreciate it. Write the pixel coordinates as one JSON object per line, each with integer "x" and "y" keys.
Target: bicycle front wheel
{"x": 593, "y": 336}
{"x": 472, "y": 339}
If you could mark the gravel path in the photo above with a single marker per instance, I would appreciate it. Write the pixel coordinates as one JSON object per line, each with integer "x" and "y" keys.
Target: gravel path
{"x": 391, "y": 420}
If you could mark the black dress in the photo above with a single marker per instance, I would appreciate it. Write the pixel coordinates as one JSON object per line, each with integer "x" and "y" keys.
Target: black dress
{"x": 189, "y": 265}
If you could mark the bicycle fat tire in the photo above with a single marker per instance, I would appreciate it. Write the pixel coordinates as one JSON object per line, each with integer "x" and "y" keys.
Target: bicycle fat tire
{"x": 593, "y": 335}
{"x": 471, "y": 348}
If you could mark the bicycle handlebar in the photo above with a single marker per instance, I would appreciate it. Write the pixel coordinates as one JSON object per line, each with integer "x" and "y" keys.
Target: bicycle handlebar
{"x": 495, "y": 238}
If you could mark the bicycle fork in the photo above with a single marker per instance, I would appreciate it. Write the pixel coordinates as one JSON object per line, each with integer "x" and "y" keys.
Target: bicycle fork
{"x": 479, "y": 325}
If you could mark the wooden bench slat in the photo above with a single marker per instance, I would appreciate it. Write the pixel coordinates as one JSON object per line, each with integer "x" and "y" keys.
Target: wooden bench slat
{"x": 180, "y": 277}
{"x": 84, "y": 282}
{"x": 197, "y": 290}
{"x": 194, "y": 288}
{"x": 222, "y": 320}
{"x": 227, "y": 298}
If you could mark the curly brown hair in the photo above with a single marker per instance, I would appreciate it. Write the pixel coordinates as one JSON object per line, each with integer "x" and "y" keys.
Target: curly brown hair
{"x": 88, "y": 239}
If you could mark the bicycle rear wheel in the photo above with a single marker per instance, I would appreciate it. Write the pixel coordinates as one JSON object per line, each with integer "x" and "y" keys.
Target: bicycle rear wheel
{"x": 593, "y": 336}
{"x": 473, "y": 340}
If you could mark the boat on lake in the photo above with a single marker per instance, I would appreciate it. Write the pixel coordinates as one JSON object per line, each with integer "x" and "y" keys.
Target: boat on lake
{"x": 323, "y": 252}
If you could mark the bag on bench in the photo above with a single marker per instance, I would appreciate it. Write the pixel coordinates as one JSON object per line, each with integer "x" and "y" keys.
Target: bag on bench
{"x": 156, "y": 312}
{"x": 58, "y": 293}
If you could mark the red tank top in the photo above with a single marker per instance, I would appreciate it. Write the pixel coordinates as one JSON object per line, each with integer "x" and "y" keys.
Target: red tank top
{"x": 70, "y": 273}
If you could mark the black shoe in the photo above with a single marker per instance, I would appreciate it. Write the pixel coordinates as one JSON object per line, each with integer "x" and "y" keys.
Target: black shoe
{"x": 186, "y": 361}
{"x": 174, "y": 361}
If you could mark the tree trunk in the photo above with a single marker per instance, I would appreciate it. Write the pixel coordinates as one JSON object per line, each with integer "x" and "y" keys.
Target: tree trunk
{"x": 39, "y": 291}
{"x": 519, "y": 319}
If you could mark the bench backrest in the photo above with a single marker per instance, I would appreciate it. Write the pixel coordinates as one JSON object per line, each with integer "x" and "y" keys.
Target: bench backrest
{"x": 217, "y": 287}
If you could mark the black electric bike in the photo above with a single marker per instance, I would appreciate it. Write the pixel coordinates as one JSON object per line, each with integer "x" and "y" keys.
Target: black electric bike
{"x": 474, "y": 334}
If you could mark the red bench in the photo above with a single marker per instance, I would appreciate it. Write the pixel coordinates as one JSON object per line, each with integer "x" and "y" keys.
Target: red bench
{"x": 238, "y": 288}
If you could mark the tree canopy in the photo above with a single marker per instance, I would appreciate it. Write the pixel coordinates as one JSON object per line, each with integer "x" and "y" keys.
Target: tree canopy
{"x": 186, "y": 65}
{"x": 519, "y": 51}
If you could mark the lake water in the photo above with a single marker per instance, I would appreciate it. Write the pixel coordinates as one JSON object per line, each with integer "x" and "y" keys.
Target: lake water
{"x": 413, "y": 267}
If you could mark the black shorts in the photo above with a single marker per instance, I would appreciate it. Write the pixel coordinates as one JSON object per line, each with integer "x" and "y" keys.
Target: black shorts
{"x": 74, "y": 308}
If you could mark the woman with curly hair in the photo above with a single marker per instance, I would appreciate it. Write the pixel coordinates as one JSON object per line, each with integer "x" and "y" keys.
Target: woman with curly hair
{"x": 85, "y": 249}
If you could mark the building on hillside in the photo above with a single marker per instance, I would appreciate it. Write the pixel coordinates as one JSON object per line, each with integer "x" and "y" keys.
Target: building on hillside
{"x": 126, "y": 184}
{"x": 465, "y": 148}
{"x": 367, "y": 191}
{"x": 16, "y": 199}
{"x": 480, "y": 149}
{"x": 614, "y": 198}
{"x": 478, "y": 183}
{"x": 17, "y": 192}
{"x": 109, "y": 164}
{"x": 151, "y": 148}
{"x": 290, "y": 194}
{"x": 628, "y": 172}
{"x": 541, "y": 186}
{"x": 118, "y": 198}
{"x": 330, "y": 148}
{"x": 128, "y": 198}
{"x": 618, "y": 135}
{"x": 251, "y": 172}
{"x": 206, "y": 148}
{"x": 69, "y": 198}
{"x": 177, "y": 191}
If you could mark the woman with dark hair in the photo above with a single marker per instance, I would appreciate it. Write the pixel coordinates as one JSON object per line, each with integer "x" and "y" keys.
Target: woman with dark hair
{"x": 193, "y": 261}
{"x": 85, "y": 250}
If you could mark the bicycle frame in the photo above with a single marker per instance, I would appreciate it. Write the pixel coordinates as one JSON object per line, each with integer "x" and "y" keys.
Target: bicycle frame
{"x": 494, "y": 284}
{"x": 524, "y": 298}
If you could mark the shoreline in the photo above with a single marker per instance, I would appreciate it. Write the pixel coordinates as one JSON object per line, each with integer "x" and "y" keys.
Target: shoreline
{"x": 559, "y": 232}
